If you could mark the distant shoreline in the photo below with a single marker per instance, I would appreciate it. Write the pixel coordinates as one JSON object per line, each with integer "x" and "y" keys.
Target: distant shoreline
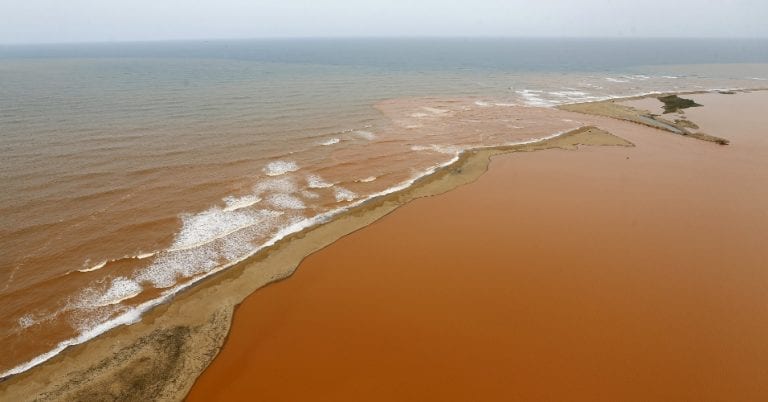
{"x": 383, "y": 38}
{"x": 608, "y": 273}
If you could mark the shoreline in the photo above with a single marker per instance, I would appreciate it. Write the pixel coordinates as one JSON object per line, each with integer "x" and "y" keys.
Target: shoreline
{"x": 206, "y": 328}
{"x": 98, "y": 357}
{"x": 136, "y": 314}
{"x": 605, "y": 274}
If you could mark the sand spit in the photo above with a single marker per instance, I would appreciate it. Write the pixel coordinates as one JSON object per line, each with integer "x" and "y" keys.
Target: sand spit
{"x": 159, "y": 357}
{"x": 607, "y": 274}
{"x": 615, "y": 108}
{"x": 172, "y": 344}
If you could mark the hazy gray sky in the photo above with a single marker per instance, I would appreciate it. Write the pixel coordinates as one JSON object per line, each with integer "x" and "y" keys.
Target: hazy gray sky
{"x": 23, "y": 21}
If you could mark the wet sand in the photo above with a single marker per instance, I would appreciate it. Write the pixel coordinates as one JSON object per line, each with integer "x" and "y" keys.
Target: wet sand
{"x": 160, "y": 356}
{"x": 611, "y": 273}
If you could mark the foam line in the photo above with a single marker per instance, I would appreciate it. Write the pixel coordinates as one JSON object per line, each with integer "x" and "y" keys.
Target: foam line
{"x": 134, "y": 314}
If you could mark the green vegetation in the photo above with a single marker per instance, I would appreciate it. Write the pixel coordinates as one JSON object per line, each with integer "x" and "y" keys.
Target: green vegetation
{"x": 673, "y": 103}
{"x": 681, "y": 126}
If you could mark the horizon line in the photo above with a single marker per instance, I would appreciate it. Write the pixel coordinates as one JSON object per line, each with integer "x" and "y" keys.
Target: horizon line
{"x": 373, "y": 37}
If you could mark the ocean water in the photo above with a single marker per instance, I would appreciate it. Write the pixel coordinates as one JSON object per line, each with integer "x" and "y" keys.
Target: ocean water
{"x": 130, "y": 171}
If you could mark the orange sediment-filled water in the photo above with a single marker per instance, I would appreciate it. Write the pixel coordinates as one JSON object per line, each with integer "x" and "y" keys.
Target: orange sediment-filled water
{"x": 127, "y": 180}
{"x": 609, "y": 273}
{"x": 109, "y": 262}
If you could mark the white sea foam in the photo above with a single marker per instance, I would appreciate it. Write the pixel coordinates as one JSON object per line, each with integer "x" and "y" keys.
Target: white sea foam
{"x": 330, "y": 141}
{"x": 120, "y": 289}
{"x": 95, "y": 267}
{"x": 366, "y": 135}
{"x": 534, "y": 98}
{"x": 207, "y": 261}
{"x": 277, "y": 168}
{"x": 238, "y": 244}
{"x": 169, "y": 265}
{"x": 342, "y": 194}
{"x": 482, "y": 103}
{"x": 434, "y": 110}
{"x": 285, "y": 201}
{"x": 235, "y": 203}
{"x": 367, "y": 179}
{"x": 617, "y": 80}
{"x": 164, "y": 271}
{"x": 294, "y": 225}
{"x": 204, "y": 227}
{"x": 315, "y": 181}
{"x": 161, "y": 273}
{"x": 104, "y": 263}
{"x": 128, "y": 317}
{"x": 281, "y": 185}
{"x": 30, "y": 319}
{"x": 572, "y": 96}
{"x": 85, "y": 319}
{"x": 589, "y": 85}
{"x": 310, "y": 195}
{"x": 443, "y": 149}
{"x": 26, "y": 321}
{"x": 549, "y": 99}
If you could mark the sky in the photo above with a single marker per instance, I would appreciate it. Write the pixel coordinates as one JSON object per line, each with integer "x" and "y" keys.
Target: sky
{"x": 55, "y": 21}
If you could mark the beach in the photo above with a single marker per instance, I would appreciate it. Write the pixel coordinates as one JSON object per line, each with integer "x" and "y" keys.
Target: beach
{"x": 129, "y": 181}
{"x": 628, "y": 268}
{"x": 609, "y": 273}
